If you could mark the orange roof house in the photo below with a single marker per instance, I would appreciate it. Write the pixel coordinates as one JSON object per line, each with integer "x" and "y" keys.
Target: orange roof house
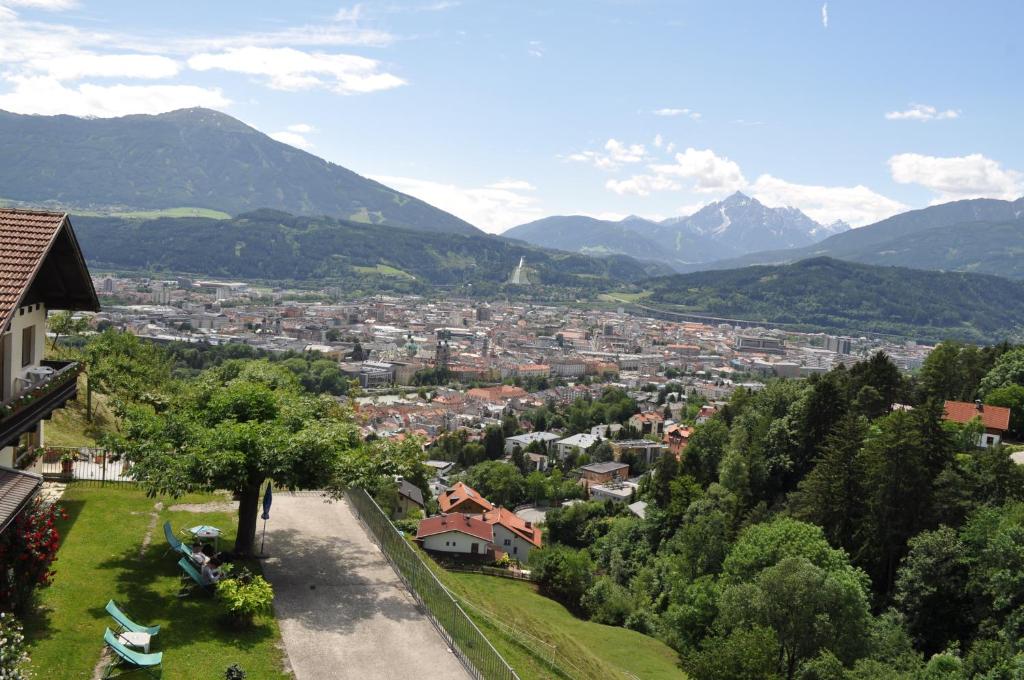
{"x": 463, "y": 498}
{"x": 995, "y": 419}
{"x": 514, "y": 523}
{"x": 460, "y": 523}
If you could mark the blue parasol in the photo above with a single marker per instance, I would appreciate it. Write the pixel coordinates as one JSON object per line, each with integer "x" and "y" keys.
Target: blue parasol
{"x": 268, "y": 498}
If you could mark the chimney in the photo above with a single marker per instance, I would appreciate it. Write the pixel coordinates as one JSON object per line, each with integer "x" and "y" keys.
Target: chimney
{"x": 978, "y": 405}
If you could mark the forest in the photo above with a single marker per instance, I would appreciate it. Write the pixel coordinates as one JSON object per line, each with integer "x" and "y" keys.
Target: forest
{"x": 832, "y": 528}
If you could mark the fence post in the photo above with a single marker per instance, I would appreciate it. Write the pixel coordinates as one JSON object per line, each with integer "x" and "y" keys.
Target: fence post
{"x": 103, "y": 478}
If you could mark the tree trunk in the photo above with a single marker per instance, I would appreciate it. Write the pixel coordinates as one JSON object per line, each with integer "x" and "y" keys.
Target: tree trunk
{"x": 248, "y": 513}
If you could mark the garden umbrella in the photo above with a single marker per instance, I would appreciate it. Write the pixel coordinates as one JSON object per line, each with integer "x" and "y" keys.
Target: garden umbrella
{"x": 268, "y": 498}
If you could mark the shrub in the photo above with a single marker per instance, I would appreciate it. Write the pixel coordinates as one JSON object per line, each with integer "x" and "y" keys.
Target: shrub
{"x": 234, "y": 672}
{"x": 13, "y": 656}
{"x": 27, "y": 549}
{"x": 564, "y": 574}
{"x": 244, "y": 596}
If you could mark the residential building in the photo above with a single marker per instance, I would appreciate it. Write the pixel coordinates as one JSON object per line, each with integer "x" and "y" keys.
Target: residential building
{"x": 578, "y": 443}
{"x": 456, "y": 534}
{"x": 512, "y": 534}
{"x": 524, "y": 440}
{"x": 409, "y": 498}
{"x": 642, "y": 449}
{"x": 649, "y": 422}
{"x": 41, "y": 268}
{"x": 995, "y": 419}
{"x": 463, "y": 498}
{"x": 602, "y": 473}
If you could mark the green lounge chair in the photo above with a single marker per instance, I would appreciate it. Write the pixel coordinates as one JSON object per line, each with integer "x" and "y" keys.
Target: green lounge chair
{"x": 126, "y": 623}
{"x": 129, "y": 657}
{"x": 193, "y": 573}
{"x": 175, "y": 545}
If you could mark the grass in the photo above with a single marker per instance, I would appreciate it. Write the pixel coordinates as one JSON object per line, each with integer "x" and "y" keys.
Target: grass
{"x": 624, "y": 297}
{"x": 102, "y": 557}
{"x": 385, "y": 270}
{"x": 153, "y": 214}
{"x": 582, "y": 649}
{"x": 70, "y": 427}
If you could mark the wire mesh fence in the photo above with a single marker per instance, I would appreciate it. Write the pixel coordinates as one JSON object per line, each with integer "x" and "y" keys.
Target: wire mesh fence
{"x": 474, "y": 650}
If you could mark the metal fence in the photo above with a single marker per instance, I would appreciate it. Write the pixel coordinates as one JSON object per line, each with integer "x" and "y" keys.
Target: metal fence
{"x": 477, "y": 654}
{"x": 87, "y": 465}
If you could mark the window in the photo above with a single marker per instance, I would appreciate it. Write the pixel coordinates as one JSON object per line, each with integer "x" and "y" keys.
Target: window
{"x": 515, "y": 550}
{"x": 508, "y": 541}
{"x": 28, "y": 345}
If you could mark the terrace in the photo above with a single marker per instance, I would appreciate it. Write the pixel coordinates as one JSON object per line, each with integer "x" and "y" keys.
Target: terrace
{"x": 54, "y": 384}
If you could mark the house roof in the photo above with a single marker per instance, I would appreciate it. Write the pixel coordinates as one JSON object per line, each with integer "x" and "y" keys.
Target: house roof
{"x": 462, "y": 523}
{"x": 40, "y": 261}
{"x": 992, "y": 417}
{"x": 410, "y": 491}
{"x": 17, "y": 488}
{"x": 515, "y": 524}
{"x": 460, "y": 495}
{"x": 601, "y": 468}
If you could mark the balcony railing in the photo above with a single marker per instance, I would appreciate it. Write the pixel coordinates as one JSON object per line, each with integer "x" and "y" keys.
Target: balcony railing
{"x": 36, "y": 401}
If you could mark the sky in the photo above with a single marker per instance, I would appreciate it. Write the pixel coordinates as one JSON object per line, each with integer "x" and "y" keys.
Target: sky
{"x": 506, "y": 112}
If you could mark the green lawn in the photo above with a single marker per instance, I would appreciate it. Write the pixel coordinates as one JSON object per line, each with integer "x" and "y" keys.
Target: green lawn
{"x": 385, "y": 270}
{"x": 69, "y": 426}
{"x": 100, "y": 559}
{"x": 582, "y": 648}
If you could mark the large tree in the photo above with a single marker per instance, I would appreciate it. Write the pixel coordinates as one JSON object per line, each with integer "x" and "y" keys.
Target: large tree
{"x": 234, "y": 428}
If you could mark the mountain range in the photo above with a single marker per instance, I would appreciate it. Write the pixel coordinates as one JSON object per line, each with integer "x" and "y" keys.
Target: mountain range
{"x": 827, "y": 294}
{"x": 190, "y": 158}
{"x": 980, "y": 235}
{"x": 272, "y": 245}
{"x": 732, "y": 227}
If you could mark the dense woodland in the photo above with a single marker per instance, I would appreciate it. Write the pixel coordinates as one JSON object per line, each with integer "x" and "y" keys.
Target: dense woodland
{"x": 852, "y": 298}
{"x": 813, "y": 531}
{"x": 271, "y": 245}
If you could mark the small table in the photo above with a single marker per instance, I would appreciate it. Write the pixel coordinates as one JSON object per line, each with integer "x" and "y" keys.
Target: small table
{"x": 206, "y": 532}
{"x": 131, "y": 639}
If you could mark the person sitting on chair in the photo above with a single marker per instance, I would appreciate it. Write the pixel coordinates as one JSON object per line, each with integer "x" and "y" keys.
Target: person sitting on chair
{"x": 200, "y": 554}
{"x": 211, "y": 571}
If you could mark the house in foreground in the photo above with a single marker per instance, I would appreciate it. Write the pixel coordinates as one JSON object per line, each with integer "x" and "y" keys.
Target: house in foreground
{"x": 995, "y": 419}
{"x": 512, "y": 534}
{"x": 41, "y": 269}
{"x": 456, "y": 535}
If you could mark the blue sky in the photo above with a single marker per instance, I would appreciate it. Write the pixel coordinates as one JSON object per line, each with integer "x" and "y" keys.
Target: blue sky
{"x": 504, "y": 112}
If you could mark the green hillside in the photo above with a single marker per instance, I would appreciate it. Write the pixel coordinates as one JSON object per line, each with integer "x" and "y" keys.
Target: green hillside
{"x": 531, "y": 631}
{"x": 823, "y": 293}
{"x": 271, "y": 245}
{"x": 191, "y": 157}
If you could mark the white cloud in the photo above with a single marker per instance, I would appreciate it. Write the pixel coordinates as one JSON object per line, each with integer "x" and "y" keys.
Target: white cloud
{"x": 671, "y": 113}
{"x": 512, "y": 185}
{"x": 923, "y": 113}
{"x": 286, "y": 68}
{"x": 857, "y": 205}
{"x": 292, "y": 139}
{"x": 349, "y": 14}
{"x": 957, "y": 177}
{"x": 492, "y": 209}
{"x": 85, "y": 65}
{"x": 614, "y": 155}
{"x": 658, "y": 141}
{"x": 48, "y": 96}
{"x": 49, "y": 5}
{"x": 824, "y": 15}
{"x": 301, "y": 128}
{"x": 710, "y": 172}
{"x": 535, "y": 49}
{"x": 642, "y": 185}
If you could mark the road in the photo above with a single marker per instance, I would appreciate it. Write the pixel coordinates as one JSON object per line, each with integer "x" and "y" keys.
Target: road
{"x": 342, "y": 610}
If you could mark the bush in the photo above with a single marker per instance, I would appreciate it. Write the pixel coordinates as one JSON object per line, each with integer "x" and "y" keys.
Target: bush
{"x": 27, "y": 549}
{"x": 244, "y": 596}
{"x": 13, "y": 656}
{"x": 563, "y": 574}
{"x": 234, "y": 672}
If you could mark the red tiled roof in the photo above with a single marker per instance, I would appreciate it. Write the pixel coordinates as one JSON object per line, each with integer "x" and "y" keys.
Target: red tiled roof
{"x": 25, "y": 238}
{"x": 27, "y": 246}
{"x": 460, "y": 495}
{"x": 466, "y": 524}
{"x": 513, "y": 523}
{"x": 992, "y": 417}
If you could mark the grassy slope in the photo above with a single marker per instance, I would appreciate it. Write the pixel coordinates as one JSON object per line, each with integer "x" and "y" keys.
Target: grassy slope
{"x": 69, "y": 426}
{"x": 100, "y": 559}
{"x": 153, "y": 214}
{"x": 582, "y": 648}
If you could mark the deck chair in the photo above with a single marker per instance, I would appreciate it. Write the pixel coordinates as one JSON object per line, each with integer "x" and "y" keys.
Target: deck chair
{"x": 129, "y": 658}
{"x": 126, "y": 623}
{"x": 189, "y": 570}
{"x": 174, "y": 544}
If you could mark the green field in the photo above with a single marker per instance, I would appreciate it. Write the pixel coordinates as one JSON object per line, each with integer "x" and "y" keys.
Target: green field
{"x": 153, "y": 214}
{"x": 113, "y": 547}
{"x": 529, "y": 629}
{"x": 624, "y": 297}
{"x": 385, "y": 270}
